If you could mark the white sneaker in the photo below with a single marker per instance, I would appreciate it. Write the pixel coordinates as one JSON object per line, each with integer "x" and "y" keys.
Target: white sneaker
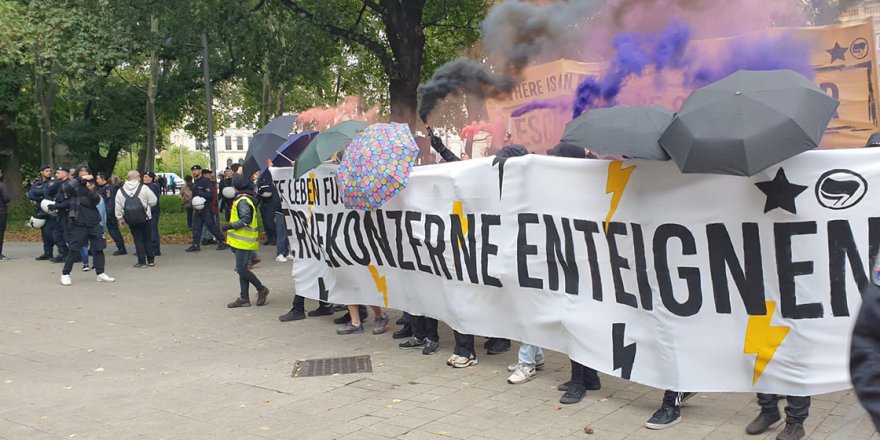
{"x": 513, "y": 367}
{"x": 66, "y": 281}
{"x": 289, "y": 257}
{"x": 522, "y": 374}
{"x": 104, "y": 278}
{"x": 281, "y": 259}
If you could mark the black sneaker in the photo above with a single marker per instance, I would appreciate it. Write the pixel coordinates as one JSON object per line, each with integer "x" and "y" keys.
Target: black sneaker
{"x": 500, "y": 346}
{"x": 151, "y": 263}
{"x": 431, "y": 347}
{"x": 400, "y": 321}
{"x": 321, "y": 311}
{"x": 58, "y": 259}
{"x": 193, "y": 248}
{"x": 340, "y": 307}
{"x": 665, "y": 417}
{"x": 596, "y": 386}
{"x": 120, "y": 252}
{"x": 574, "y": 394}
{"x": 412, "y": 343}
{"x": 43, "y": 258}
{"x": 343, "y": 319}
{"x": 3, "y": 257}
{"x": 292, "y": 315}
{"x": 140, "y": 266}
{"x": 764, "y": 421}
{"x": 405, "y": 332}
{"x": 792, "y": 431}
{"x": 222, "y": 246}
{"x": 563, "y": 386}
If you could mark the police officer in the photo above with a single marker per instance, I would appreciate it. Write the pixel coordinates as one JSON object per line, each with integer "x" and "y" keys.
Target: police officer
{"x": 268, "y": 200}
{"x": 203, "y": 187}
{"x": 108, "y": 193}
{"x": 149, "y": 180}
{"x": 61, "y": 205}
{"x": 85, "y": 224}
{"x": 244, "y": 238}
{"x": 36, "y": 194}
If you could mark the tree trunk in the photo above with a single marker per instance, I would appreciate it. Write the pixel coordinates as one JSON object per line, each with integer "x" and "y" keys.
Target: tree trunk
{"x": 46, "y": 88}
{"x": 403, "y": 28}
{"x": 147, "y": 158}
{"x": 106, "y": 164}
{"x": 280, "y": 100}
{"x": 9, "y": 163}
{"x": 267, "y": 93}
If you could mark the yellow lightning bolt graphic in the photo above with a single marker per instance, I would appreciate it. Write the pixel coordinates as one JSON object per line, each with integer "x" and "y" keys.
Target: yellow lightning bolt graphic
{"x": 763, "y": 339}
{"x": 458, "y": 210}
{"x": 311, "y": 193}
{"x": 381, "y": 285}
{"x": 618, "y": 177}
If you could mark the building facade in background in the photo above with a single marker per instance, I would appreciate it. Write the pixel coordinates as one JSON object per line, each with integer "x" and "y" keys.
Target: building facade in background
{"x": 866, "y": 9}
{"x": 232, "y": 144}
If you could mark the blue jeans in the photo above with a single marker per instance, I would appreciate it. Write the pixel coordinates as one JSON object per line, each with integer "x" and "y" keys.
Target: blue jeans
{"x": 530, "y": 355}
{"x": 281, "y": 245}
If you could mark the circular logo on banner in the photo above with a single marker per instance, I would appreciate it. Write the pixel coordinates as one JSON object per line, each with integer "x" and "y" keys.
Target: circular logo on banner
{"x": 859, "y": 48}
{"x": 841, "y": 189}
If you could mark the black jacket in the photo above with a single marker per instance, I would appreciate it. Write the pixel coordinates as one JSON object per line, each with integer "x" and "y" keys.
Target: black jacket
{"x": 4, "y": 199}
{"x": 864, "y": 365}
{"x": 83, "y": 204}
{"x": 204, "y": 187}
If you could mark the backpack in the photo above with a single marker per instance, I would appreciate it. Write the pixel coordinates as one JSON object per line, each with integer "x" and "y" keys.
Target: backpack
{"x": 134, "y": 212}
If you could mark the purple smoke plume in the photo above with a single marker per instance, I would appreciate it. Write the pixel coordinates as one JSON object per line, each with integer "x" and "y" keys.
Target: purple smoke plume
{"x": 557, "y": 104}
{"x": 634, "y": 53}
{"x": 760, "y": 53}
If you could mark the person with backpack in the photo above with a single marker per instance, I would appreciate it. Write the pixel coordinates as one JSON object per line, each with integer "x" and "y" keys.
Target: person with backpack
{"x": 133, "y": 203}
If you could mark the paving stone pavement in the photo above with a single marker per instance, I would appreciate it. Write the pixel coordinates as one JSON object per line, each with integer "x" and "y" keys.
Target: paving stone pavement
{"x": 158, "y": 355}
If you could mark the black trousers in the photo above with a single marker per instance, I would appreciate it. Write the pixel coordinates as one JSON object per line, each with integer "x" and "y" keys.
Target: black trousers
{"x": 4, "y": 218}
{"x": 245, "y": 276}
{"x": 189, "y": 218}
{"x": 464, "y": 344}
{"x": 115, "y": 233}
{"x": 81, "y": 236}
{"x": 424, "y": 327}
{"x": 797, "y": 408}
{"x": 583, "y": 375}
{"x": 47, "y": 232}
{"x": 299, "y": 303}
{"x": 61, "y": 234}
{"x": 154, "y": 232}
{"x": 142, "y": 245}
{"x": 204, "y": 218}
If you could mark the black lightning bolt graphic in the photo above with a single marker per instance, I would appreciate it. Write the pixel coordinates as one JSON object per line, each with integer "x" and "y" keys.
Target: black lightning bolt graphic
{"x": 624, "y": 355}
{"x": 322, "y": 290}
{"x": 500, "y": 162}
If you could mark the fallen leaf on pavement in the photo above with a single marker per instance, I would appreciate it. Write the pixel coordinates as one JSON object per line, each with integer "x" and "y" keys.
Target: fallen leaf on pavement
{"x": 588, "y": 429}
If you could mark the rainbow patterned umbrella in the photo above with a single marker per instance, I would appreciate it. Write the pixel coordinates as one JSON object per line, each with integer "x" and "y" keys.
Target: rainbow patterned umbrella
{"x": 377, "y": 165}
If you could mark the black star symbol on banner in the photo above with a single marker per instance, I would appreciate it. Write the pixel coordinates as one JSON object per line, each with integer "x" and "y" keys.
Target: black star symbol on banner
{"x": 780, "y": 193}
{"x": 500, "y": 162}
{"x": 322, "y": 290}
{"x": 624, "y": 356}
{"x": 837, "y": 52}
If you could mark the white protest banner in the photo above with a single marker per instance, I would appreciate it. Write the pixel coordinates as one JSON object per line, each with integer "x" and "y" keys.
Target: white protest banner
{"x": 684, "y": 282}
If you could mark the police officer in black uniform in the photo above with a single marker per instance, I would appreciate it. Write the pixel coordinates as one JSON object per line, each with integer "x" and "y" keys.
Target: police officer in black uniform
{"x": 108, "y": 193}
{"x": 203, "y": 187}
{"x": 36, "y": 193}
{"x": 61, "y": 205}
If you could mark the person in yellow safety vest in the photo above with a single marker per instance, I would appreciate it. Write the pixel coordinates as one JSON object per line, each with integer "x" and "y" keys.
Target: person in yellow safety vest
{"x": 244, "y": 239}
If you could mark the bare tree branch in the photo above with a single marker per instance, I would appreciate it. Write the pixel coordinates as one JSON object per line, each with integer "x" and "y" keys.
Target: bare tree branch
{"x": 372, "y": 45}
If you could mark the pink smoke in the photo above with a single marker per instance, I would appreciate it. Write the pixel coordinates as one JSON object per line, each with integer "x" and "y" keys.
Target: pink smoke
{"x": 495, "y": 128}
{"x": 322, "y": 118}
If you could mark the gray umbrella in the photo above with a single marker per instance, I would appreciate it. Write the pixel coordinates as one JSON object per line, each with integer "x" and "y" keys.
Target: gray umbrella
{"x": 266, "y": 141}
{"x": 630, "y": 131}
{"x": 747, "y": 122}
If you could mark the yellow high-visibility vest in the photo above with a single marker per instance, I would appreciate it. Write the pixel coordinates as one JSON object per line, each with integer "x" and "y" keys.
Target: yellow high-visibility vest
{"x": 247, "y": 237}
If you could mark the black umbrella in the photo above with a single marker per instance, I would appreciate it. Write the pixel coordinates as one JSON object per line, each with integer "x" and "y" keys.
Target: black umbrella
{"x": 747, "y": 122}
{"x": 266, "y": 141}
{"x": 630, "y": 131}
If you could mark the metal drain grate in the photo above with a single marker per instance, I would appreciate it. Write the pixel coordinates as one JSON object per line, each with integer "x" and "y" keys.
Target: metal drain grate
{"x": 331, "y": 366}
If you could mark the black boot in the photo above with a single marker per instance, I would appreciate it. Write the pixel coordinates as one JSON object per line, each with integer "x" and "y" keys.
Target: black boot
{"x": 322, "y": 310}
{"x": 405, "y": 332}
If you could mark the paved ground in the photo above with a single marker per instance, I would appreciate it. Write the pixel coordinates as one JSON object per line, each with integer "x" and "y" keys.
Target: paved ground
{"x": 158, "y": 355}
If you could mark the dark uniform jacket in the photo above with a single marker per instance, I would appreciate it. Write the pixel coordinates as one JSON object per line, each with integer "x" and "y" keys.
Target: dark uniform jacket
{"x": 864, "y": 363}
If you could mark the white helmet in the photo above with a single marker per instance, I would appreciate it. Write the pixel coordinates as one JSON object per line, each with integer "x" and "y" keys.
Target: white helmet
{"x": 229, "y": 192}
{"x": 44, "y": 205}
{"x": 198, "y": 203}
{"x": 36, "y": 223}
{"x": 266, "y": 194}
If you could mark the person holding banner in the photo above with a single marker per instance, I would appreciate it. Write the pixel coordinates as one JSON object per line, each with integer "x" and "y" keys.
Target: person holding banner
{"x": 244, "y": 239}
{"x": 864, "y": 363}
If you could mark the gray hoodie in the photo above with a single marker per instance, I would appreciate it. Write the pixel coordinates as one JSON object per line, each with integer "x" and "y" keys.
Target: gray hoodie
{"x": 147, "y": 198}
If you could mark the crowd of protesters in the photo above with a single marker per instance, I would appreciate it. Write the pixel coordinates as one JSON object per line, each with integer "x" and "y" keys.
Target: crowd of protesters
{"x": 76, "y": 209}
